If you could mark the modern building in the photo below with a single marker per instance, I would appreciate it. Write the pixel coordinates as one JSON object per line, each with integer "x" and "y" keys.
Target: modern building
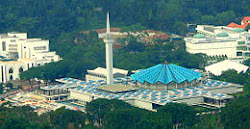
{"x": 209, "y": 94}
{"x": 166, "y": 77}
{"x": 20, "y": 53}
{"x": 220, "y": 41}
{"x": 217, "y": 68}
{"x": 56, "y": 92}
{"x": 244, "y": 22}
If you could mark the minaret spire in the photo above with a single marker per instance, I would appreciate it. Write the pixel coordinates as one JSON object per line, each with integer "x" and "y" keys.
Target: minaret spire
{"x": 108, "y": 24}
{"x": 109, "y": 53}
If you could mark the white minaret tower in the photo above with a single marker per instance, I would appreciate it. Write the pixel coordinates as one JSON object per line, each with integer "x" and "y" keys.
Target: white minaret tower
{"x": 109, "y": 53}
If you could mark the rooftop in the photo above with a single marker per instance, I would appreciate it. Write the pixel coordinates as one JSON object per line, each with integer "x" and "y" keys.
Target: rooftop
{"x": 116, "y": 88}
{"x": 165, "y": 73}
{"x": 103, "y": 71}
{"x": 219, "y": 67}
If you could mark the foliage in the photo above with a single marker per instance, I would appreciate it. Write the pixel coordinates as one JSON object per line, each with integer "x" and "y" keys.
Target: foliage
{"x": 182, "y": 114}
{"x": 87, "y": 53}
{"x": 1, "y": 88}
{"x": 247, "y": 62}
{"x": 153, "y": 54}
{"x": 63, "y": 118}
{"x": 16, "y": 118}
{"x": 236, "y": 114}
{"x": 10, "y": 85}
{"x": 232, "y": 76}
{"x": 51, "y": 18}
{"x": 247, "y": 28}
{"x": 99, "y": 107}
{"x": 209, "y": 121}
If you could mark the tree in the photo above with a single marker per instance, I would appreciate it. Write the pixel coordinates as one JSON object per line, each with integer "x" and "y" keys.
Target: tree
{"x": 128, "y": 118}
{"x": 232, "y": 76}
{"x": 10, "y": 85}
{"x": 246, "y": 62}
{"x": 100, "y": 107}
{"x": 236, "y": 114}
{"x": 20, "y": 118}
{"x": 182, "y": 114}
{"x": 63, "y": 118}
{"x": 1, "y": 88}
{"x": 247, "y": 28}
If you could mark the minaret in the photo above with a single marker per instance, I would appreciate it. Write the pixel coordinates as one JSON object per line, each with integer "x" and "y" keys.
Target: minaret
{"x": 109, "y": 54}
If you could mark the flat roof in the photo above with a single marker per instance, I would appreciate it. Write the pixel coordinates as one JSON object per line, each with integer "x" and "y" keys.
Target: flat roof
{"x": 117, "y": 88}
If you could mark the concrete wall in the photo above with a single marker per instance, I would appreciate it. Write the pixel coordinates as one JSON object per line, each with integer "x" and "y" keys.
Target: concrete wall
{"x": 80, "y": 96}
{"x": 93, "y": 78}
{"x": 160, "y": 86}
{"x": 191, "y": 100}
{"x": 141, "y": 104}
{"x": 212, "y": 48}
{"x": 226, "y": 90}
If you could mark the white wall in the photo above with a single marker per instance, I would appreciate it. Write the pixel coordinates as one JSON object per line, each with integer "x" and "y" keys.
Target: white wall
{"x": 191, "y": 100}
{"x": 80, "y": 96}
{"x": 213, "y": 48}
{"x": 141, "y": 104}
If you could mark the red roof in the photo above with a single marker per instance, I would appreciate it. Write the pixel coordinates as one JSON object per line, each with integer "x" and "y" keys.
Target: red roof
{"x": 244, "y": 22}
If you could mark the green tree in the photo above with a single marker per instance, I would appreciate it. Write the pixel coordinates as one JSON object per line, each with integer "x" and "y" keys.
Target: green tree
{"x": 247, "y": 62}
{"x": 182, "y": 114}
{"x": 236, "y": 114}
{"x": 63, "y": 118}
{"x": 10, "y": 85}
{"x": 247, "y": 28}
{"x": 1, "y": 88}
{"x": 128, "y": 118}
{"x": 100, "y": 107}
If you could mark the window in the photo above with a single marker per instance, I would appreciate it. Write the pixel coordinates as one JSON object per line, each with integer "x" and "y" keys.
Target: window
{"x": 4, "y": 46}
{"x": 12, "y": 45}
{"x": 247, "y": 54}
{"x": 239, "y": 53}
{"x": 40, "y": 48}
{"x": 11, "y": 70}
{"x": 241, "y": 48}
{"x": 11, "y": 77}
{"x": 20, "y": 70}
{"x": 241, "y": 42}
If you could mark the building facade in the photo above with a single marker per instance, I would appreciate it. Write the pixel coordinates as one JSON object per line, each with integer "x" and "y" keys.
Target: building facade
{"x": 220, "y": 41}
{"x": 20, "y": 53}
{"x": 101, "y": 74}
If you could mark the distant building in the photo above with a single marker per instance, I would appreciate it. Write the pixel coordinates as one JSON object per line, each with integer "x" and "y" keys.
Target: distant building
{"x": 218, "y": 68}
{"x": 20, "y": 53}
{"x": 220, "y": 41}
{"x": 101, "y": 74}
{"x": 149, "y": 35}
{"x": 244, "y": 22}
{"x": 166, "y": 77}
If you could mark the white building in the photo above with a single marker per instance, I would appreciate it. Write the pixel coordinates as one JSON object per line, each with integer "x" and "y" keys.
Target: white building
{"x": 219, "y": 67}
{"x": 220, "y": 40}
{"x": 21, "y": 53}
{"x": 101, "y": 74}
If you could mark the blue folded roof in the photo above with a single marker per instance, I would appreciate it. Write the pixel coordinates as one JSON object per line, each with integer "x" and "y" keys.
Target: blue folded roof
{"x": 165, "y": 73}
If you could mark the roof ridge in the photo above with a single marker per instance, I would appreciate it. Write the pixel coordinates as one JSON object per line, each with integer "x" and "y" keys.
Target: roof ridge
{"x": 163, "y": 69}
{"x": 172, "y": 74}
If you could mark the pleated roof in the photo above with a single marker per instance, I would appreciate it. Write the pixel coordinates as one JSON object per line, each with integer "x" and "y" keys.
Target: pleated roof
{"x": 165, "y": 73}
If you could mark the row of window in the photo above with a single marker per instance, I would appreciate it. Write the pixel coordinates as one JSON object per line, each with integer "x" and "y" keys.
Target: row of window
{"x": 12, "y": 71}
{"x": 241, "y": 54}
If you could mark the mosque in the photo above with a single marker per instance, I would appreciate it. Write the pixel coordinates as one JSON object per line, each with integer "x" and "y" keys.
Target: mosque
{"x": 166, "y": 77}
{"x": 148, "y": 89}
